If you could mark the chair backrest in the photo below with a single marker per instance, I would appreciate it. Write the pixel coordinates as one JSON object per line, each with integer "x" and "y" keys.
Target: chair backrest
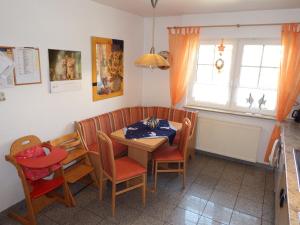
{"x": 69, "y": 141}
{"x": 106, "y": 154}
{"x": 24, "y": 143}
{"x": 184, "y": 137}
{"x": 36, "y": 165}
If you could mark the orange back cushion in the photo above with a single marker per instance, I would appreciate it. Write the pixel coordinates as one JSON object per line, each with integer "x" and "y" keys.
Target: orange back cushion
{"x": 126, "y": 116}
{"x": 118, "y": 119}
{"x": 177, "y": 115}
{"x": 162, "y": 113}
{"x": 136, "y": 114}
{"x": 149, "y": 111}
{"x": 104, "y": 123}
{"x": 88, "y": 130}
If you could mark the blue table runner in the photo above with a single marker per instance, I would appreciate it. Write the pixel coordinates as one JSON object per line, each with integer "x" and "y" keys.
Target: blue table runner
{"x": 141, "y": 130}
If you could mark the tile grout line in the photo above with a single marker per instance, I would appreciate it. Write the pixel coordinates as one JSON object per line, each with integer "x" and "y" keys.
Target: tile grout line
{"x": 237, "y": 197}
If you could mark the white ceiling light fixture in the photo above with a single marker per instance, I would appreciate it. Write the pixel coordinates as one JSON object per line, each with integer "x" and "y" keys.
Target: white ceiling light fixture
{"x": 152, "y": 60}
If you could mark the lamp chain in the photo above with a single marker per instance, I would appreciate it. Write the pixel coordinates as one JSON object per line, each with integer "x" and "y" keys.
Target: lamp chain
{"x": 153, "y": 3}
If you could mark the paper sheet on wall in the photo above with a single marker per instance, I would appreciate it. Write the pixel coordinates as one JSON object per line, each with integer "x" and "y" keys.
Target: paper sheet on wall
{"x": 6, "y": 69}
{"x": 63, "y": 86}
{"x": 27, "y": 66}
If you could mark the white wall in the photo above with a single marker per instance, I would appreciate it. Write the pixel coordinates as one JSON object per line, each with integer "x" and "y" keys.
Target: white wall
{"x": 156, "y": 82}
{"x": 69, "y": 25}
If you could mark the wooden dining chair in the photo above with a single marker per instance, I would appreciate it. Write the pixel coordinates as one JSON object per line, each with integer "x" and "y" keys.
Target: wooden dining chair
{"x": 28, "y": 155}
{"x": 119, "y": 170}
{"x": 172, "y": 154}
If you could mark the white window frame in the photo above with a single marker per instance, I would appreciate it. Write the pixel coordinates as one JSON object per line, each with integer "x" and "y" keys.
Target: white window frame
{"x": 190, "y": 100}
{"x": 236, "y": 61}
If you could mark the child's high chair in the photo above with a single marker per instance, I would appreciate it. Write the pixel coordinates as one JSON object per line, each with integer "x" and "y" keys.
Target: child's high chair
{"x": 28, "y": 155}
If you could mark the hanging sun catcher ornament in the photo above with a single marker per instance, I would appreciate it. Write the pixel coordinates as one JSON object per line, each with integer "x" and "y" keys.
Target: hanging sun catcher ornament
{"x": 219, "y": 64}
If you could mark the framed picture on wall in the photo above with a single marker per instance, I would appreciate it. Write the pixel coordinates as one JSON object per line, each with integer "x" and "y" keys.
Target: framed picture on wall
{"x": 107, "y": 68}
{"x": 19, "y": 66}
{"x": 27, "y": 65}
{"x": 64, "y": 70}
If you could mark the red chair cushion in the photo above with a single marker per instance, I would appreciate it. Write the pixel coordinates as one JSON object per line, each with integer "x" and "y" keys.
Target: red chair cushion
{"x": 167, "y": 153}
{"x": 35, "y": 163}
{"x": 42, "y": 187}
{"x": 45, "y": 161}
{"x": 127, "y": 168}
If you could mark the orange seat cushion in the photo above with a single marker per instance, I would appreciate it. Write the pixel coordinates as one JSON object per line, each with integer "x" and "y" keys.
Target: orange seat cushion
{"x": 167, "y": 153}
{"x": 127, "y": 168}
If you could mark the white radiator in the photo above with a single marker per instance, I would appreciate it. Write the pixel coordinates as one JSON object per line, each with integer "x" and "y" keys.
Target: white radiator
{"x": 228, "y": 138}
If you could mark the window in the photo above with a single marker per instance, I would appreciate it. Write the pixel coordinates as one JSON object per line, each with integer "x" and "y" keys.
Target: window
{"x": 248, "y": 81}
{"x": 211, "y": 86}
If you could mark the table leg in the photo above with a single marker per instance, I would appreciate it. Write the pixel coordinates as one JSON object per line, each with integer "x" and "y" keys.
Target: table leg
{"x": 139, "y": 155}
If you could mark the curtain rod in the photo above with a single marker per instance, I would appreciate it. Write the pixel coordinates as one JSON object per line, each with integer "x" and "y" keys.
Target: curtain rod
{"x": 234, "y": 25}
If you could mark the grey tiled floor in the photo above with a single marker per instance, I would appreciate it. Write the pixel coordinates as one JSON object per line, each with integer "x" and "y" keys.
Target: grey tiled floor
{"x": 218, "y": 192}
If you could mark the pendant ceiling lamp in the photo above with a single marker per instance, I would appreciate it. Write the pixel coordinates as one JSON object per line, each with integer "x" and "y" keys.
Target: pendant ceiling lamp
{"x": 152, "y": 60}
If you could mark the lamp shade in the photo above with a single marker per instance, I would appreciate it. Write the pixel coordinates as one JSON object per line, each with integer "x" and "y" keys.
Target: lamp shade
{"x": 151, "y": 60}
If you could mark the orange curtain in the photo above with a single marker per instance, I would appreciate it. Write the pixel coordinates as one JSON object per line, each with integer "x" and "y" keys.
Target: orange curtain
{"x": 183, "y": 47}
{"x": 289, "y": 78}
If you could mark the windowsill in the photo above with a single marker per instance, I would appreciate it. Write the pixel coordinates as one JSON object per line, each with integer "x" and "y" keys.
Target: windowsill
{"x": 252, "y": 115}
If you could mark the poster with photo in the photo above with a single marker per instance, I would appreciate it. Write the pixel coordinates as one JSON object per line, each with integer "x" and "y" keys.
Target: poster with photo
{"x": 64, "y": 70}
{"x": 107, "y": 68}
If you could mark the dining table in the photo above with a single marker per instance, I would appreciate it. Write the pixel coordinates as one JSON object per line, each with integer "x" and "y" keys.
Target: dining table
{"x": 140, "y": 149}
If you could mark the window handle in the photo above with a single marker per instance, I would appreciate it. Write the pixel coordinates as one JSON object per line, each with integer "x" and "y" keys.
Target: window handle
{"x": 250, "y": 100}
{"x": 262, "y": 101}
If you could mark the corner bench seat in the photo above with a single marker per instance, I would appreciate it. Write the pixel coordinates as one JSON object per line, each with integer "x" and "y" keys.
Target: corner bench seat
{"x": 115, "y": 120}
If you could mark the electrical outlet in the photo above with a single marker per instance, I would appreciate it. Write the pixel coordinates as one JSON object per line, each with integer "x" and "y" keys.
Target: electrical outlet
{"x": 2, "y": 97}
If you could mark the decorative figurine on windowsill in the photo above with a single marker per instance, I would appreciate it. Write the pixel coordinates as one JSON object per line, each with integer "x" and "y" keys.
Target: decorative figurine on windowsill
{"x": 152, "y": 122}
{"x": 262, "y": 101}
{"x": 250, "y": 100}
{"x": 219, "y": 64}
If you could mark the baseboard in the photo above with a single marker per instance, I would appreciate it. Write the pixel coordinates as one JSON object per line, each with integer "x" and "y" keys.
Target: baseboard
{"x": 257, "y": 164}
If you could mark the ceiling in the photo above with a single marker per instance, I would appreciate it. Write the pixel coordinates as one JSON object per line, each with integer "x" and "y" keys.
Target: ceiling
{"x": 179, "y": 7}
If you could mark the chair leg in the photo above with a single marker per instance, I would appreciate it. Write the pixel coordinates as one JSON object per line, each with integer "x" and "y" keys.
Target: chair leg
{"x": 155, "y": 176}
{"x": 101, "y": 186}
{"x": 30, "y": 214}
{"x": 30, "y": 210}
{"x": 153, "y": 169}
{"x": 20, "y": 219}
{"x": 68, "y": 196}
{"x": 184, "y": 175}
{"x": 144, "y": 188}
{"x": 113, "y": 201}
